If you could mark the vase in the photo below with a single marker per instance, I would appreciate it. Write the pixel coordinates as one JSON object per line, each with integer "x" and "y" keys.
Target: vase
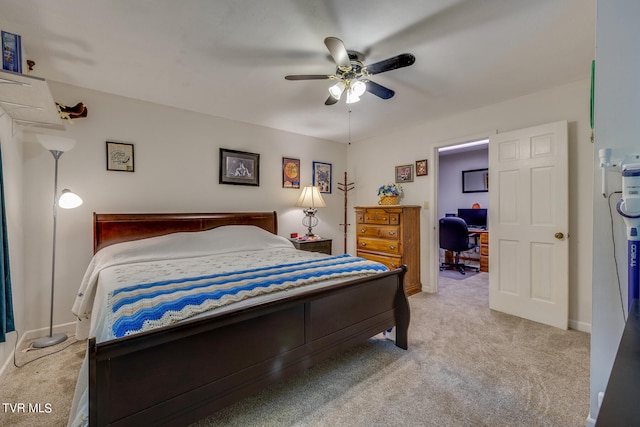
{"x": 388, "y": 200}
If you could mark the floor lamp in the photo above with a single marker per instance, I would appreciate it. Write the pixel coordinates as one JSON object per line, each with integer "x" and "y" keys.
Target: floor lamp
{"x": 56, "y": 145}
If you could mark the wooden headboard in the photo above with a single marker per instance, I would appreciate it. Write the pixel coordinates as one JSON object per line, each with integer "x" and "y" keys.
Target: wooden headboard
{"x": 116, "y": 228}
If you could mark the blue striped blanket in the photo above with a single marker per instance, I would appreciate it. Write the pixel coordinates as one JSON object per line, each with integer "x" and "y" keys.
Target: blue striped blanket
{"x": 147, "y": 306}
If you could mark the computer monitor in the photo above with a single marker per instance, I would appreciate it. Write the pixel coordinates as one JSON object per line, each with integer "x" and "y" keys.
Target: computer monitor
{"x": 475, "y": 218}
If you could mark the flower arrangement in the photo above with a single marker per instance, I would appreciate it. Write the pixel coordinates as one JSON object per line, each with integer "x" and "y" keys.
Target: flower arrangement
{"x": 389, "y": 190}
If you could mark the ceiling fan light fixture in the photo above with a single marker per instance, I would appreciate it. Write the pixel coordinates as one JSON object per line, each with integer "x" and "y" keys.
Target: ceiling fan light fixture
{"x": 337, "y": 89}
{"x": 358, "y": 88}
{"x": 352, "y": 97}
{"x": 353, "y": 75}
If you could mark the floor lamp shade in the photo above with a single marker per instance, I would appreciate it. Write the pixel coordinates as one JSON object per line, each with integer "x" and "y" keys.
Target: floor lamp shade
{"x": 55, "y": 142}
{"x": 56, "y": 145}
{"x": 69, "y": 200}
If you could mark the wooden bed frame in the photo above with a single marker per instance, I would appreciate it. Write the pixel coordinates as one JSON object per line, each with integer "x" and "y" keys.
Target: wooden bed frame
{"x": 181, "y": 373}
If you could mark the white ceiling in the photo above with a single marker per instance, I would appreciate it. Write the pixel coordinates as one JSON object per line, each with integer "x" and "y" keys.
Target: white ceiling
{"x": 229, "y": 58}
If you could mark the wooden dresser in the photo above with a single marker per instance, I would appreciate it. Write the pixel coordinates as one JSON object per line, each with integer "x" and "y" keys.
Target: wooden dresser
{"x": 390, "y": 234}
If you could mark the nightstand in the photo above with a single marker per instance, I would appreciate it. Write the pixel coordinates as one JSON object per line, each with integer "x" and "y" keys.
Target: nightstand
{"x": 317, "y": 245}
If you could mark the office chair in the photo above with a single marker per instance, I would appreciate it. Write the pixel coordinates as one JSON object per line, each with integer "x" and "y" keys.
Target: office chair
{"x": 454, "y": 236}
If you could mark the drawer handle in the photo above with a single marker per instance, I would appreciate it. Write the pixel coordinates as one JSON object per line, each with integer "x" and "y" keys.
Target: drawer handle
{"x": 392, "y": 233}
{"x": 362, "y": 230}
{"x": 393, "y": 264}
{"x": 363, "y": 244}
{"x": 392, "y": 247}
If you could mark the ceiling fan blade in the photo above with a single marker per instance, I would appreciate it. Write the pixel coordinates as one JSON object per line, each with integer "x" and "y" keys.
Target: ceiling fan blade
{"x": 393, "y": 63}
{"x": 338, "y": 51}
{"x": 330, "y": 101}
{"x": 379, "y": 90}
{"x": 308, "y": 77}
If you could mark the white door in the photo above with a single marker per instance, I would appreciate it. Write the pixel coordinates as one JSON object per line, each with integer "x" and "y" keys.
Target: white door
{"x": 528, "y": 224}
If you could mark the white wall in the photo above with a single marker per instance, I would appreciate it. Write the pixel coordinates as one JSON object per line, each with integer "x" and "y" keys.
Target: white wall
{"x": 617, "y": 106}
{"x": 176, "y": 170}
{"x": 13, "y": 184}
{"x": 372, "y": 161}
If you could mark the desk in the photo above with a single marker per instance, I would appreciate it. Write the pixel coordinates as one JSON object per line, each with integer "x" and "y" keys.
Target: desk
{"x": 483, "y": 243}
{"x": 484, "y": 248}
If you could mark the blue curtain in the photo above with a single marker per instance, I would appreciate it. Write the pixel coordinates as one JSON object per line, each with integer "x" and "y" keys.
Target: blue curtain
{"x": 6, "y": 304}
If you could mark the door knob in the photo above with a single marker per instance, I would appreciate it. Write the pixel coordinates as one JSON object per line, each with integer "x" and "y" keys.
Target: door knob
{"x": 559, "y": 235}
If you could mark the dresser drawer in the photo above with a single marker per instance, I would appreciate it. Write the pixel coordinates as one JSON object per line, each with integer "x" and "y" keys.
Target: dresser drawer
{"x": 380, "y": 231}
{"x": 378, "y": 216}
{"x": 392, "y": 262}
{"x": 379, "y": 245}
{"x": 484, "y": 250}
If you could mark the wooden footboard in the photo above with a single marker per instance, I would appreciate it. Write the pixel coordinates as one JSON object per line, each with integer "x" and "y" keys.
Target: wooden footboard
{"x": 182, "y": 373}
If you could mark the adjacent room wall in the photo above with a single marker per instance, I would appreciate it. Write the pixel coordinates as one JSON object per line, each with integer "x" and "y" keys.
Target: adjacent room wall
{"x": 176, "y": 170}
{"x": 451, "y": 165}
{"x": 570, "y": 102}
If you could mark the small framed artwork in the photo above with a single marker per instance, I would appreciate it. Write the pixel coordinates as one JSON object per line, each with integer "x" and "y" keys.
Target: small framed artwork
{"x": 322, "y": 176}
{"x": 290, "y": 173}
{"x": 421, "y": 168}
{"x": 239, "y": 167}
{"x": 404, "y": 173}
{"x": 120, "y": 156}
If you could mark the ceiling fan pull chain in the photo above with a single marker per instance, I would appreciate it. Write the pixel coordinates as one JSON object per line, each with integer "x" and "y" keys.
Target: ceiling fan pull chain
{"x": 349, "y": 107}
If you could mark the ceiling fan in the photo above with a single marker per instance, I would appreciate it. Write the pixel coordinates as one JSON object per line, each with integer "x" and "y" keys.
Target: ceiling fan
{"x": 353, "y": 75}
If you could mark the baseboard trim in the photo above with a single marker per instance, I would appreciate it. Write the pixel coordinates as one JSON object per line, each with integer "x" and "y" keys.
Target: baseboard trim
{"x": 9, "y": 359}
{"x": 580, "y": 326}
{"x": 37, "y": 333}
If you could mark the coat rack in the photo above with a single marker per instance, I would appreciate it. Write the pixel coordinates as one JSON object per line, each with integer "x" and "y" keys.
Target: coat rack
{"x": 345, "y": 188}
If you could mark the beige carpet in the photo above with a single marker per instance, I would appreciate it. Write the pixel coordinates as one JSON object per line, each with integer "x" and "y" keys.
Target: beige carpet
{"x": 39, "y": 392}
{"x": 466, "y": 366}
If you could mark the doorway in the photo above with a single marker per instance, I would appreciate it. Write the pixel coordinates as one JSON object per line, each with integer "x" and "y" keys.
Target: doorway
{"x": 461, "y": 194}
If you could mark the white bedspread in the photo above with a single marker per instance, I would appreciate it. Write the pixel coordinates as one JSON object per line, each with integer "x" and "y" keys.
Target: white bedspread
{"x": 152, "y": 258}
{"x": 224, "y": 249}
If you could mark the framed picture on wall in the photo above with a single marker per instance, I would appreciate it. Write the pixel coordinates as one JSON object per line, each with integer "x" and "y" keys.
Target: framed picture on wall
{"x": 290, "y": 173}
{"x": 120, "y": 156}
{"x": 239, "y": 167}
{"x": 421, "y": 168}
{"x": 404, "y": 173}
{"x": 322, "y": 176}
